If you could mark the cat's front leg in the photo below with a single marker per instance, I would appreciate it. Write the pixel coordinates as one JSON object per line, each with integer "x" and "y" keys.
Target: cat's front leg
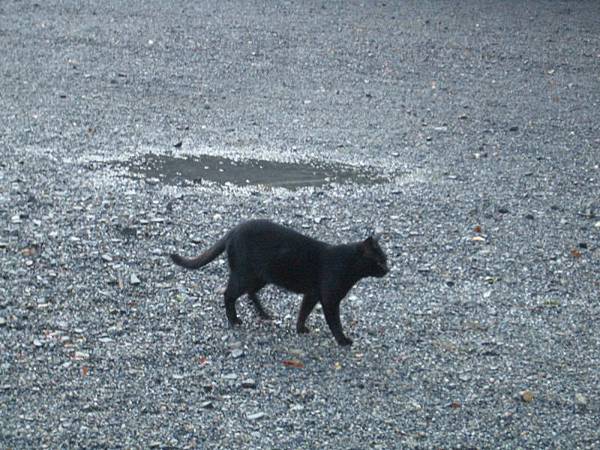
{"x": 331, "y": 309}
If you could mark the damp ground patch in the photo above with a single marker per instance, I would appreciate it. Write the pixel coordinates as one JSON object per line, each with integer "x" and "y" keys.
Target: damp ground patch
{"x": 178, "y": 170}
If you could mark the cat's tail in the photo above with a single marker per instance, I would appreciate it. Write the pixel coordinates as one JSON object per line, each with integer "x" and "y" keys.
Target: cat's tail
{"x": 204, "y": 258}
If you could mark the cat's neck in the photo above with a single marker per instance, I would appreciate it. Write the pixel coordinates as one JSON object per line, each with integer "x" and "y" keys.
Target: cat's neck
{"x": 344, "y": 260}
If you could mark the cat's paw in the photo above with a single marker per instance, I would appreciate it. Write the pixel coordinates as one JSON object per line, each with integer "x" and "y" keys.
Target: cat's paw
{"x": 265, "y": 316}
{"x": 344, "y": 341}
{"x": 235, "y": 322}
{"x": 302, "y": 329}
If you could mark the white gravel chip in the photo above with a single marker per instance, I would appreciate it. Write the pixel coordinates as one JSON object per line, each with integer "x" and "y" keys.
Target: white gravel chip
{"x": 256, "y": 416}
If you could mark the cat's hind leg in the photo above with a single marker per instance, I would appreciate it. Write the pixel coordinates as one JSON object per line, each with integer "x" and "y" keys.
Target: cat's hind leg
{"x": 308, "y": 303}
{"x": 252, "y": 295}
{"x": 233, "y": 291}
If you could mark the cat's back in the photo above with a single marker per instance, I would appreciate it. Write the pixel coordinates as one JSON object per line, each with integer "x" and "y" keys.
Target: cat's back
{"x": 266, "y": 233}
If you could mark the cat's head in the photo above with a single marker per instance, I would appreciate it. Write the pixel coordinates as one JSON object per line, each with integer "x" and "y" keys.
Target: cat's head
{"x": 374, "y": 261}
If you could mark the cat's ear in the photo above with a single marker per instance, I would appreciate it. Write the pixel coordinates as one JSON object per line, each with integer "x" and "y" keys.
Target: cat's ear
{"x": 368, "y": 245}
{"x": 374, "y": 238}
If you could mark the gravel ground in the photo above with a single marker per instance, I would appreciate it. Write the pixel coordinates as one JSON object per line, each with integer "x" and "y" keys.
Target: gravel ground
{"x": 482, "y": 120}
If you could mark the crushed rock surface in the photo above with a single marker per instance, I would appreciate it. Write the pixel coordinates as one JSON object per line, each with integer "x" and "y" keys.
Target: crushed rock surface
{"x": 484, "y": 120}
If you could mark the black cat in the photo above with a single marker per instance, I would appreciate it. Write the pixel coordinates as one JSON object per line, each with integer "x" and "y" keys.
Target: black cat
{"x": 260, "y": 252}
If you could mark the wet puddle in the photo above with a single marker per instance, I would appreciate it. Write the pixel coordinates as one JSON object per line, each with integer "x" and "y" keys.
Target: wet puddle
{"x": 196, "y": 169}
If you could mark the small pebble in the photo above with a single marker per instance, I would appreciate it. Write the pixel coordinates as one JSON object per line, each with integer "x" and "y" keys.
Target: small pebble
{"x": 80, "y": 355}
{"x": 249, "y": 383}
{"x": 526, "y": 396}
{"x": 464, "y": 377}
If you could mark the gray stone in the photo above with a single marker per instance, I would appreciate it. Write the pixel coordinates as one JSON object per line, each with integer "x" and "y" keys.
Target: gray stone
{"x": 581, "y": 400}
{"x": 230, "y": 376}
